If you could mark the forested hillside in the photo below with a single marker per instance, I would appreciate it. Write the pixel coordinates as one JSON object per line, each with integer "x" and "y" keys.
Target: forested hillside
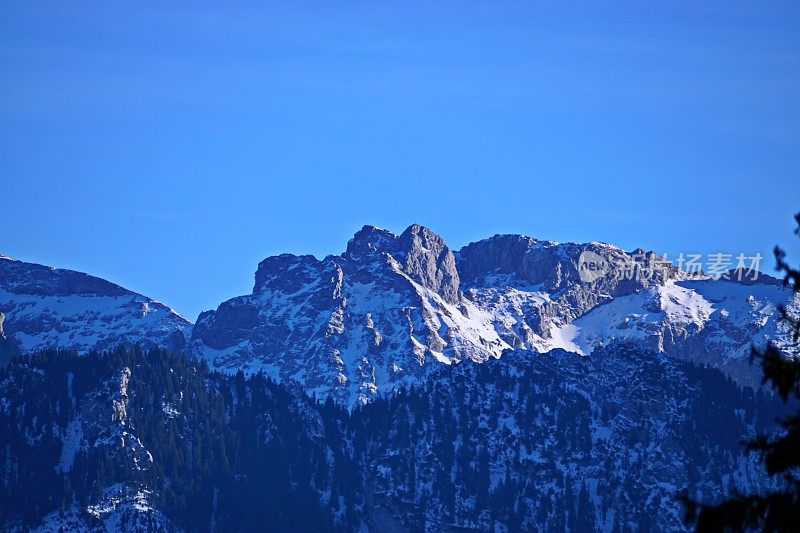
{"x": 151, "y": 440}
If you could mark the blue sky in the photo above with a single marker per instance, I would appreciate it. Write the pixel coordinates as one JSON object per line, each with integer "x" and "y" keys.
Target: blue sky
{"x": 170, "y": 148}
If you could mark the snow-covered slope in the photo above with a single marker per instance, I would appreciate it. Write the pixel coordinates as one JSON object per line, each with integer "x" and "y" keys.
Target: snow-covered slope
{"x": 392, "y": 307}
{"x": 539, "y": 302}
{"x": 49, "y": 307}
{"x": 711, "y": 322}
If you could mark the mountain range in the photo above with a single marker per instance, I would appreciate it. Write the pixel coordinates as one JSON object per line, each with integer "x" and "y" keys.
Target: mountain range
{"x": 391, "y": 308}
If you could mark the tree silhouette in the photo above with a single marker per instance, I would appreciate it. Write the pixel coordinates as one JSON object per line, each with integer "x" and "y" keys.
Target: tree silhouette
{"x": 778, "y": 510}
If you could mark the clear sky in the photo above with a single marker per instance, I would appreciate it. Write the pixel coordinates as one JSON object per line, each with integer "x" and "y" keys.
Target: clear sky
{"x": 170, "y": 148}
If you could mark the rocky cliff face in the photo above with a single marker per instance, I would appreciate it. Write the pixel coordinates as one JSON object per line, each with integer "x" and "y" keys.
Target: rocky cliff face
{"x": 7, "y": 348}
{"x": 392, "y": 307}
{"x": 49, "y": 307}
{"x": 347, "y": 325}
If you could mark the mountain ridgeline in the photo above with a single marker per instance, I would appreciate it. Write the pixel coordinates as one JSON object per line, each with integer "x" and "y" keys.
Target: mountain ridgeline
{"x": 149, "y": 440}
{"x": 44, "y": 307}
{"x": 392, "y": 308}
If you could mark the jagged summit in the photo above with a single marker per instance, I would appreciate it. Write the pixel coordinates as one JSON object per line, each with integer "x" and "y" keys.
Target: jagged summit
{"x": 277, "y": 268}
{"x": 589, "y": 370}
{"x": 418, "y": 252}
{"x": 538, "y": 261}
{"x": 344, "y": 325}
{"x": 367, "y": 241}
{"x": 427, "y": 259}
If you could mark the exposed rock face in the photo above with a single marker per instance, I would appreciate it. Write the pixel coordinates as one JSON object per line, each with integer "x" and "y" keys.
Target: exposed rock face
{"x": 49, "y": 307}
{"x": 369, "y": 242}
{"x": 427, "y": 259}
{"x": 7, "y": 347}
{"x": 422, "y": 255}
{"x": 379, "y": 314}
{"x": 347, "y": 325}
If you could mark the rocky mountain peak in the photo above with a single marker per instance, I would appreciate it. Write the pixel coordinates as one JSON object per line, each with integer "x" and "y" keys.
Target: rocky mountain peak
{"x": 420, "y": 253}
{"x": 426, "y": 259}
{"x": 367, "y": 241}
{"x": 297, "y": 269}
